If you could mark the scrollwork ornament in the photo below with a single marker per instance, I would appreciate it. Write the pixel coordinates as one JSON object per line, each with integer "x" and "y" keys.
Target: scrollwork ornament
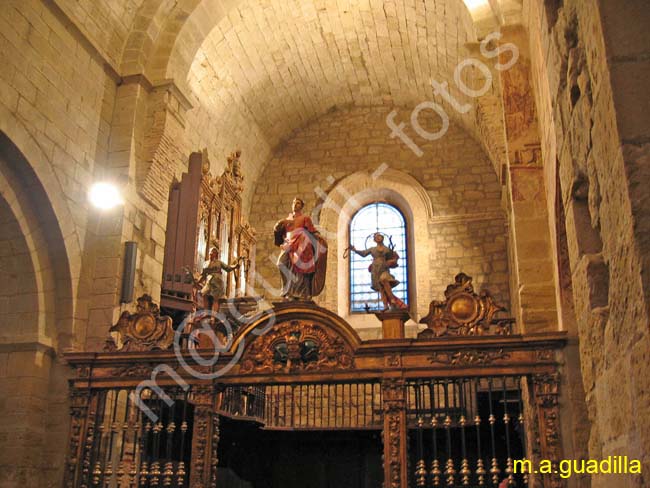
{"x": 297, "y": 346}
{"x": 214, "y": 460}
{"x": 394, "y": 440}
{"x": 472, "y": 357}
{"x": 144, "y": 330}
{"x": 464, "y": 313}
{"x": 199, "y": 449}
{"x": 79, "y": 402}
{"x": 547, "y": 389}
{"x": 393, "y": 395}
{"x": 134, "y": 371}
{"x": 393, "y": 361}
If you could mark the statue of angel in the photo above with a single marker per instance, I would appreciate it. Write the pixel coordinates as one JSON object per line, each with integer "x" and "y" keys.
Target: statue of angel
{"x": 211, "y": 280}
{"x": 383, "y": 259}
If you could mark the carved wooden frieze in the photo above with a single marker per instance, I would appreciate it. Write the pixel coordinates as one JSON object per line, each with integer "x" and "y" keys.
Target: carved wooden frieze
{"x": 464, "y": 312}
{"x": 146, "y": 370}
{"x": 296, "y": 346}
{"x": 394, "y": 400}
{"x": 143, "y": 330}
{"x": 473, "y": 357}
{"x": 214, "y": 458}
{"x": 203, "y": 399}
{"x": 79, "y": 401}
{"x": 393, "y": 361}
{"x": 547, "y": 390}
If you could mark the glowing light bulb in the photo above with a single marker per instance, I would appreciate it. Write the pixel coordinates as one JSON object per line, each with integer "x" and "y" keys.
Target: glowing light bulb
{"x": 105, "y": 196}
{"x": 476, "y": 4}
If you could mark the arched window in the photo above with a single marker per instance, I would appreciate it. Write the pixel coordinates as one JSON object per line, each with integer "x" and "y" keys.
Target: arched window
{"x": 387, "y": 219}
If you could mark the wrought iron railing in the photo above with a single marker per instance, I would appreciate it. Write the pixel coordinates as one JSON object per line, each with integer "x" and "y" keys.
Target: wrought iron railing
{"x": 137, "y": 439}
{"x": 465, "y": 431}
{"x": 311, "y": 406}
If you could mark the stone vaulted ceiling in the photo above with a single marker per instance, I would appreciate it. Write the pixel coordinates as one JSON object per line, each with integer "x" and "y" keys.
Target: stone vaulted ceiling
{"x": 281, "y": 63}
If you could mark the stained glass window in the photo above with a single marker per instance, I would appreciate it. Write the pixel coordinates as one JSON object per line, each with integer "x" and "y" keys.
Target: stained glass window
{"x": 387, "y": 219}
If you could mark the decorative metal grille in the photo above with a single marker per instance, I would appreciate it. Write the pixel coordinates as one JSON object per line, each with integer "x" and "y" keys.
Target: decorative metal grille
{"x": 315, "y": 406}
{"x": 465, "y": 431}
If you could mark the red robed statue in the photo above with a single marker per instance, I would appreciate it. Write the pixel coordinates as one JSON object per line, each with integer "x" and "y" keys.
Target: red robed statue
{"x": 303, "y": 259}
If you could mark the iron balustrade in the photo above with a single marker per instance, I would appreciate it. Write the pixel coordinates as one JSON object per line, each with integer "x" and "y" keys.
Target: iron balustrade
{"x": 309, "y": 406}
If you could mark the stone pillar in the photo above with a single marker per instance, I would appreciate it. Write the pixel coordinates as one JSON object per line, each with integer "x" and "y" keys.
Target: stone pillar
{"x": 145, "y": 154}
{"x": 395, "y": 434}
{"x": 392, "y": 323}
{"x": 532, "y": 272}
{"x": 24, "y": 403}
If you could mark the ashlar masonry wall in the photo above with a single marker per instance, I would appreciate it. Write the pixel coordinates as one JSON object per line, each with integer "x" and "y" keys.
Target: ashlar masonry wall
{"x": 466, "y": 231}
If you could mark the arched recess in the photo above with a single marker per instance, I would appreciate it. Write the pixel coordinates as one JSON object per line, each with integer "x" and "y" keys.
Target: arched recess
{"x": 333, "y": 217}
{"x": 25, "y": 197}
{"x": 36, "y": 322}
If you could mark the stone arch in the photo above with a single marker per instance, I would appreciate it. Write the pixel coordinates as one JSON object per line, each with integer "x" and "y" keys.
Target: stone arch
{"x": 334, "y": 215}
{"x": 147, "y": 26}
{"x": 36, "y": 300}
{"x": 184, "y": 29}
{"x": 45, "y": 263}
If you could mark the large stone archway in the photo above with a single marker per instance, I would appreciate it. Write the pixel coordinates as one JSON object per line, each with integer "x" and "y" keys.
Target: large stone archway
{"x": 35, "y": 325}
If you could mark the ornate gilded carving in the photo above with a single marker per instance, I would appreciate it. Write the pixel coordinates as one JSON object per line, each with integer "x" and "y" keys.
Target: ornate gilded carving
{"x": 202, "y": 397}
{"x": 393, "y": 393}
{"x": 296, "y": 346}
{"x": 200, "y": 442}
{"x": 463, "y": 312}
{"x": 544, "y": 354}
{"x": 143, "y": 330}
{"x": 394, "y": 402}
{"x": 394, "y": 448}
{"x": 393, "y": 361}
{"x": 218, "y": 223}
{"x": 143, "y": 370}
{"x": 547, "y": 390}
{"x": 233, "y": 170}
{"x": 214, "y": 459}
{"x": 79, "y": 400}
{"x": 468, "y": 357}
{"x": 135, "y": 371}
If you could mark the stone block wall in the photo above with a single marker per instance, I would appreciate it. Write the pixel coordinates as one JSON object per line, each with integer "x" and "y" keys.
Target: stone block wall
{"x": 466, "y": 231}
{"x": 587, "y": 60}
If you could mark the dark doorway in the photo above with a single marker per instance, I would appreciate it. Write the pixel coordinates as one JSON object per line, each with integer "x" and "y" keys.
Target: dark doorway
{"x": 251, "y": 457}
